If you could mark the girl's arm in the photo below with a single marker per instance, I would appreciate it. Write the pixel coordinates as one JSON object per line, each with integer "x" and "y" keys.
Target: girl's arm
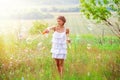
{"x": 47, "y": 30}
{"x": 67, "y": 33}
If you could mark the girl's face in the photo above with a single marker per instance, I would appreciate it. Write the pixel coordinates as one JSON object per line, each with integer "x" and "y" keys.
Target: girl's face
{"x": 60, "y": 22}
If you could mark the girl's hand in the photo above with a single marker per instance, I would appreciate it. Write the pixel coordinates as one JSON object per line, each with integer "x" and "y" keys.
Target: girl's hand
{"x": 45, "y": 31}
{"x": 68, "y": 41}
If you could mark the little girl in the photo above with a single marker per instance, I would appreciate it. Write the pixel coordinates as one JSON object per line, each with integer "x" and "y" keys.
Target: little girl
{"x": 59, "y": 42}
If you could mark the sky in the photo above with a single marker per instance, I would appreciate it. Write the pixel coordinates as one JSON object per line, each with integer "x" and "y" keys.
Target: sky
{"x": 8, "y": 7}
{"x": 28, "y": 3}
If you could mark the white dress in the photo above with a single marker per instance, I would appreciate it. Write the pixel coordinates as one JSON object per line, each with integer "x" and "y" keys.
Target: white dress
{"x": 59, "y": 46}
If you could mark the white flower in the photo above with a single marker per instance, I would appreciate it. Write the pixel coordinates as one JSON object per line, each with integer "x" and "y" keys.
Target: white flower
{"x": 88, "y": 46}
{"x": 22, "y": 78}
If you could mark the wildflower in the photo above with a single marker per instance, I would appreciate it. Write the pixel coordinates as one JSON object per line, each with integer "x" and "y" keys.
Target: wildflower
{"x": 88, "y": 46}
{"x": 22, "y": 78}
{"x": 88, "y": 73}
{"x": 20, "y": 36}
{"x": 11, "y": 58}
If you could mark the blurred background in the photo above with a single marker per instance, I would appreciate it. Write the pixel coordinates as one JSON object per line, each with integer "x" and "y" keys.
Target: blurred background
{"x": 16, "y": 14}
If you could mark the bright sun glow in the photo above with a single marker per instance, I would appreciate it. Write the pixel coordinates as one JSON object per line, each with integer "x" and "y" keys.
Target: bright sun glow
{"x": 8, "y": 7}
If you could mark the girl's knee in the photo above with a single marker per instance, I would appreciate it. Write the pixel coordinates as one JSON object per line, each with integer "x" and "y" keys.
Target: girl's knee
{"x": 62, "y": 62}
{"x": 57, "y": 62}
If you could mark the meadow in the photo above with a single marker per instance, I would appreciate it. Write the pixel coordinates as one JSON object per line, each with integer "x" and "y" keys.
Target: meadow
{"x": 87, "y": 59}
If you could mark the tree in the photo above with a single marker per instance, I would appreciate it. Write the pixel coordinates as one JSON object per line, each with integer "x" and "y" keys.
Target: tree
{"x": 101, "y": 11}
{"x": 38, "y": 27}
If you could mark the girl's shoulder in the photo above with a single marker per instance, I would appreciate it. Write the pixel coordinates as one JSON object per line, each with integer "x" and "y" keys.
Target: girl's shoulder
{"x": 54, "y": 27}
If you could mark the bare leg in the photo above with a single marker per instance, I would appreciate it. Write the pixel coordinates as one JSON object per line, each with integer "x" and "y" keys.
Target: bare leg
{"x": 61, "y": 66}
{"x": 58, "y": 64}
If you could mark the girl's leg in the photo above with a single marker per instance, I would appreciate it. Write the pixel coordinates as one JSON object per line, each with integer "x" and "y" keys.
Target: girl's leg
{"x": 58, "y": 64}
{"x": 61, "y": 66}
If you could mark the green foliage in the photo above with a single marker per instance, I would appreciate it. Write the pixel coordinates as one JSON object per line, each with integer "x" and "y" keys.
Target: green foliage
{"x": 99, "y": 9}
{"x": 38, "y": 27}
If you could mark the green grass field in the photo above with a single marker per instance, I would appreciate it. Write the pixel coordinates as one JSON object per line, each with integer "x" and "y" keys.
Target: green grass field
{"x": 87, "y": 58}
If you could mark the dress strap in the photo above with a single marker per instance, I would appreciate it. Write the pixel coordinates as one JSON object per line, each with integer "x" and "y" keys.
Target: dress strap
{"x": 65, "y": 29}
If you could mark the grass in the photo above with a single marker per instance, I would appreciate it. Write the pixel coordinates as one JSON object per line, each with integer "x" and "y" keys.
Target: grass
{"x": 87, "y": 59}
